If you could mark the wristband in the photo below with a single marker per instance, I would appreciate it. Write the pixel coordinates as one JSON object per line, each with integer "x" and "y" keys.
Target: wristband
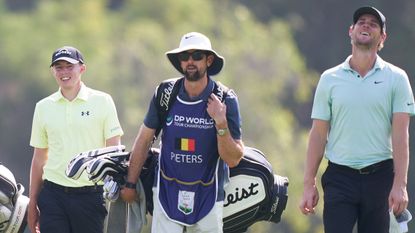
{"x": 130, "y": 185}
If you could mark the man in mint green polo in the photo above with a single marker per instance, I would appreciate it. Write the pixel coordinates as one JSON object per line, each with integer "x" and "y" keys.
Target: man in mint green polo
{"x": 360, "y": 115}
{"x": 74, "y": 119}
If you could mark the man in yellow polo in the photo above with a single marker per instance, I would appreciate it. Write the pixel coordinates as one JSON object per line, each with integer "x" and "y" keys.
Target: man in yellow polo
{"x": 72, "y": 120}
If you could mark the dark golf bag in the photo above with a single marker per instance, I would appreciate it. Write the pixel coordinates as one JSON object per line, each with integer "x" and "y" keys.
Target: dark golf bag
{"x": 254, "y": 193}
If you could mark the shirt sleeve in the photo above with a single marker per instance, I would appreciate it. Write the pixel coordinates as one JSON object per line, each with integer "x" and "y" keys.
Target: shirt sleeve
{"x": 403, "y": 99}
{"x": 233, "y": 115}
{"x": 112, "y": 124}
{"x": 38, "y": 137}
{"x": 151, "y": 120}
{"x": 322, "y": 102}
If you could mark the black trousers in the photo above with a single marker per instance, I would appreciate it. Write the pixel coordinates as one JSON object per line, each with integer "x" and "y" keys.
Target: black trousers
{"x": 360, "y": 196}
{"x": 71, "y": 210}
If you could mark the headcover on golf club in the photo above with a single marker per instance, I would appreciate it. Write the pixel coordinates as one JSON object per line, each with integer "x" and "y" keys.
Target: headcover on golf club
{"x": 114, "y": 164}
{"x": 80, "y": 162}
{"x": 13, "y": 204}
{"x": 108, "y": 164}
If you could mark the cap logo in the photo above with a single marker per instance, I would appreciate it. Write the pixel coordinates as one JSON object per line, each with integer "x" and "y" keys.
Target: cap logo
{"x": 63, "y": 51}
{"x": 196, "y": 41}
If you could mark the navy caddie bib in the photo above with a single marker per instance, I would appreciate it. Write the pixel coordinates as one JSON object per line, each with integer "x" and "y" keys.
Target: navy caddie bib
{"x": 187, "y": 179}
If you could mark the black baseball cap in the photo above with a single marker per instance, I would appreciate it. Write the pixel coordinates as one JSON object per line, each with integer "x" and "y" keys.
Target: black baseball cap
{"x": 67, "y": 53}
{"x": 372, "y": 11}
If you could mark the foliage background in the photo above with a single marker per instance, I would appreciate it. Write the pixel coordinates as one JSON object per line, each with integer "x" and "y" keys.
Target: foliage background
{"x": 275, "y": 51}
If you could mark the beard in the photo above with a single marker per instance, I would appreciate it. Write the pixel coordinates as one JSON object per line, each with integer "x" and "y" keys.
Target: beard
{"x": 366, "y": 45}
{"x": 195, "y": 76}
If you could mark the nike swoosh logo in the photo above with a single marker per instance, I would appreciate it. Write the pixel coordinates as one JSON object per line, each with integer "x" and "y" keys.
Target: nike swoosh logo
{"x": 377, "y": 82}
{"x": 409, "y": 104}
{"x": 187, "y": 37}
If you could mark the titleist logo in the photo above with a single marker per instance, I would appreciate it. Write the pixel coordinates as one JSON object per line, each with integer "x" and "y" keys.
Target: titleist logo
{"x": 275, "y": 205}
{"x": 240, "y": 195}
{"x": 165, "y": 95}
{"x": 220, "y": 93}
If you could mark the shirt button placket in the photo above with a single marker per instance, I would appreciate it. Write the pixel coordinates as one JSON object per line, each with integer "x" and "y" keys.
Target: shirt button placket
{"x": 69, "y": 114}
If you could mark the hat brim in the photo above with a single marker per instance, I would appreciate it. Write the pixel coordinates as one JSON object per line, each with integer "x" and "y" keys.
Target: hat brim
{"x": 212, "y": 70}
{"x": 68, "y": 59}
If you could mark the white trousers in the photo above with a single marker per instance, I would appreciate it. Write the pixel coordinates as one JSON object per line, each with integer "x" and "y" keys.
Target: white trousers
{"x": 211, "y": 223}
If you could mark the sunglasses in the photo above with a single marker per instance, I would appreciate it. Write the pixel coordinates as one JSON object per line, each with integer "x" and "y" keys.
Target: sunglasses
{"x": 196, "y": 56}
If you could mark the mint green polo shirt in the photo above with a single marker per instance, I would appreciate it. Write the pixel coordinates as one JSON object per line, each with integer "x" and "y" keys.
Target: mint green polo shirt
{"x": 67, "y": 128}
{"x": 360, "y": 111}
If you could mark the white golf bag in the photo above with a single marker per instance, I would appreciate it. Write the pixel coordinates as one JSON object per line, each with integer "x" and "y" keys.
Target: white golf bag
{"x": 13, "y": 204}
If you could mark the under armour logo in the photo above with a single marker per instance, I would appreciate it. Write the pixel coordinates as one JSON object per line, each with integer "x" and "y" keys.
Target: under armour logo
{"x": 86, "y": 113}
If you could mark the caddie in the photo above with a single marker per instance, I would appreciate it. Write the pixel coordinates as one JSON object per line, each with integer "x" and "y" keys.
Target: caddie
{"x": 200, "y": 139}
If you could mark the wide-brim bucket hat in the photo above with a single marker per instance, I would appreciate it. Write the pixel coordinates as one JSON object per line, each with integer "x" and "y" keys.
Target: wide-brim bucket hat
{"x": 196, "y": 41}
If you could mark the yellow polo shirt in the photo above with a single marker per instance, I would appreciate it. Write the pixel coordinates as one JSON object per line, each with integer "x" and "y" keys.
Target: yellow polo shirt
{"x": 67, "y": 128}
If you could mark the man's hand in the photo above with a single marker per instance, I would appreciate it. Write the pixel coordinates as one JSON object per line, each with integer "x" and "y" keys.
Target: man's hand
{"x": 128, "y": 194}
{"x": 398, "y": 199}
{"x": 33, "y": 217}
{"x": 309, "y": 200}
{"x": 216, "y": 110}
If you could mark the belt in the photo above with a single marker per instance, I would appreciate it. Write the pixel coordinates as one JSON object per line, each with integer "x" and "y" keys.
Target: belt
{"x": 366, "y": 170}
{"x": 83, "y": 189}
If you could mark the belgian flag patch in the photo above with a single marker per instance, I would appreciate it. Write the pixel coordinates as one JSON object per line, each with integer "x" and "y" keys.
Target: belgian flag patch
{"x": 185, "y": 144}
